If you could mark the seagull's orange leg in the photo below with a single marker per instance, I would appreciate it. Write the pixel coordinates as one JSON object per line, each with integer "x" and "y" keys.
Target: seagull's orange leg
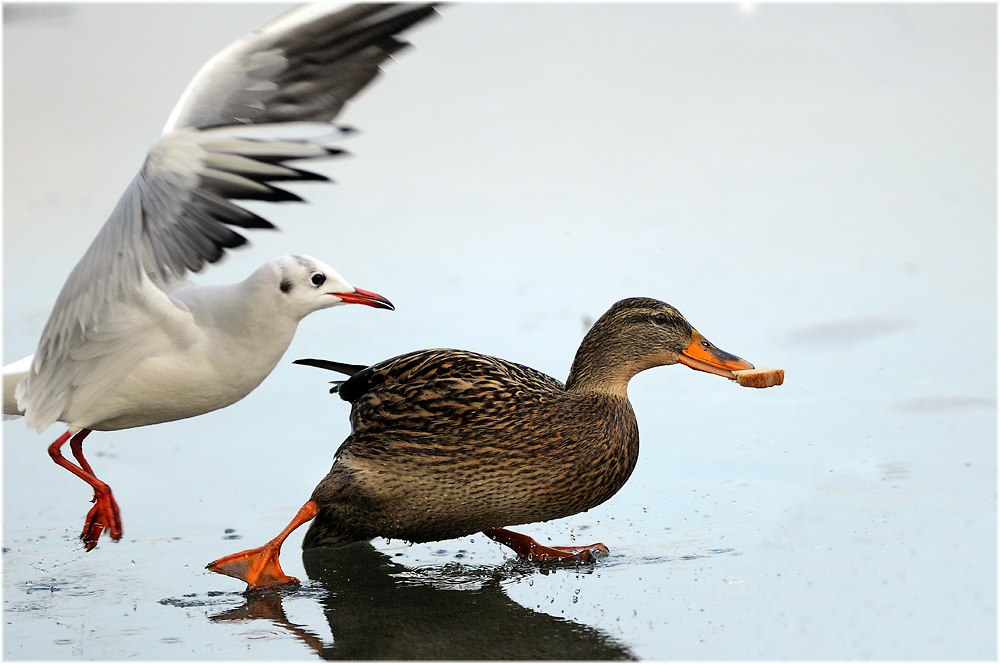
{"x": 526, "y": 547}
{"x": 260, "y": 567}
{"x": 104, "y": 515}
{"x": 76, "y": 447}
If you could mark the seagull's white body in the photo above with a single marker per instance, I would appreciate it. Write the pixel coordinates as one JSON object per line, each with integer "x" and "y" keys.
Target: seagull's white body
{"x": 206, "y": 357}
{"x": 163, "y": 357}
{"x": 131, "y": 341}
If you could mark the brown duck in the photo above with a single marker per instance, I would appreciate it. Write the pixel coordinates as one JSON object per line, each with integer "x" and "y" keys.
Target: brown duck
{"x": 447, "y": 443}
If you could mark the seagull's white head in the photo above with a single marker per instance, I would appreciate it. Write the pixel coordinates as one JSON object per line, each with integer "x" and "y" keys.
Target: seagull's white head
{"x": 305, "y": 285}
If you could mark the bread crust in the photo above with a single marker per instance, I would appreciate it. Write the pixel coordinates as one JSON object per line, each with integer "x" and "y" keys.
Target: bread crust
{"x": 760, "y": 377}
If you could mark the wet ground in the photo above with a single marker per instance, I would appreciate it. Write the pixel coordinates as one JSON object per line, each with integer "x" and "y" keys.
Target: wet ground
{"x": 814, "y": 187}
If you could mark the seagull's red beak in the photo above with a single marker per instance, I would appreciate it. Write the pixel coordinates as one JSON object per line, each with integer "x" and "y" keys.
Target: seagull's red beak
{"x": 366, "y": 298}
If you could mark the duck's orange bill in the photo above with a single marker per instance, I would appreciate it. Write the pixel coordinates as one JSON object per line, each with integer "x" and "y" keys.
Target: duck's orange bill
{"x": 703, "y": 356}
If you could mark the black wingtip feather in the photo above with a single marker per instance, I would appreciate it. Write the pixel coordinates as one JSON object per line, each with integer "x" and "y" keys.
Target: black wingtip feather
{"x": 251, "y": 220}
{"x": 277, "y": 195}
{"x": 298, "y": 175}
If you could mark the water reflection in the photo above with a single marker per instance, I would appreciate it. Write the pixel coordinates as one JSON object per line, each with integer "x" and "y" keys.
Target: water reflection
{"x": 379, "y": 609}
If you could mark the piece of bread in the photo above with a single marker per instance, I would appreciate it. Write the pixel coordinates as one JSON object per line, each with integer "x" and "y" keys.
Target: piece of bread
{"x": 761, "y": 377}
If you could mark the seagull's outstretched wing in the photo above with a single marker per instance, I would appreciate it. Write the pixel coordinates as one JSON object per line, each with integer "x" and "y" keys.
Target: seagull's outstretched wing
{"x": 266, "y": 100}
{"x": 304, "y": 65}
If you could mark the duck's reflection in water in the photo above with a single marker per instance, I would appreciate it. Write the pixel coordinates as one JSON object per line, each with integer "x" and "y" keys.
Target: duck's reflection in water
{"x": 378, "y": 609}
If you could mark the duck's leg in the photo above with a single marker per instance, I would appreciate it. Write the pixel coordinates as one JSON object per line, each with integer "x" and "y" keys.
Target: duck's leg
{"x": 526, "y": 547}
{"x": 104, "y": 515}
{"x": 260, "y": 567}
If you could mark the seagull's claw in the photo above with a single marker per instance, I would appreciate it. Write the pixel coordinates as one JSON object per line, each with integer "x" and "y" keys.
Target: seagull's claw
{"x": 103, "y": 516}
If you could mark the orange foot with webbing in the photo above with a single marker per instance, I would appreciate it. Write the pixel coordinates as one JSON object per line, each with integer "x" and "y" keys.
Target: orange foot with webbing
{"x": 260, "y": 567}
{"x": 527, "y": 548}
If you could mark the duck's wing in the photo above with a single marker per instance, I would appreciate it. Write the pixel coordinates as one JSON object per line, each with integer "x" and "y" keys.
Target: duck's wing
{"x": 439, "y": 393}
{"x": 263, "y": 101}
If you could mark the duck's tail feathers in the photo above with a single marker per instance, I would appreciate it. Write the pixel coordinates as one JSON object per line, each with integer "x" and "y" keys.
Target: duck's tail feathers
{"x": 330, "y": 365}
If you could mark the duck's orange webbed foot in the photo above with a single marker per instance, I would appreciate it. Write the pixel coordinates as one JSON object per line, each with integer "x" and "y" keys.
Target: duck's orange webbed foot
{"x": 527, "y": 548}
{"x": 260, "y": 567}
{"x": 103, "y": 516}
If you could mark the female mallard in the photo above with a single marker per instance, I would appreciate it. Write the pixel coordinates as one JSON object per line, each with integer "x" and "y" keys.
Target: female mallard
{"x": 447, "y": 443}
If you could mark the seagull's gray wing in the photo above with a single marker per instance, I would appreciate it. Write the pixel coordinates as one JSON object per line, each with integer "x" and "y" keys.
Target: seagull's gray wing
{"x": 177, "y": 214}
{"x": 304, "y": 65}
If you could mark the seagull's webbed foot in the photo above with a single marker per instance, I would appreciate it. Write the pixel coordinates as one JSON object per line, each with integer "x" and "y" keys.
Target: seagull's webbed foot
{"x": 102, "y": 517}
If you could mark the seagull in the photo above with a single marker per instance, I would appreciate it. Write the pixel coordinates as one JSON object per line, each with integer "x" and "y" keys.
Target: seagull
{"x": 131, "y": 341}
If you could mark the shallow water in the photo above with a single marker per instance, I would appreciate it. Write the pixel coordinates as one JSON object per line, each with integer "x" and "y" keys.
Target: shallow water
{"x": 813, "y": 186}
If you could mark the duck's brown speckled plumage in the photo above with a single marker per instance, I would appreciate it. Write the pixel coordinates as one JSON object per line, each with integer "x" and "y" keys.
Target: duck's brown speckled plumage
{"x": 446, "y": 443}
{"x": 437, "y": 451}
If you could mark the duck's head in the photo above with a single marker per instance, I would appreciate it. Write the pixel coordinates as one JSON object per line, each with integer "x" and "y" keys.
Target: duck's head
{"x": 641, "y": 333}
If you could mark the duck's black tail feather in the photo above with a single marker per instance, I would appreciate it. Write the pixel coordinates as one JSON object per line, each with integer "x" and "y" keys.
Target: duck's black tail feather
{"x": 330, "y": 365}
{"x": 339, "y": 367}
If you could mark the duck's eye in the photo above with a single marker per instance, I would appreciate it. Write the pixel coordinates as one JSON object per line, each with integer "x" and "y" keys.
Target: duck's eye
{"x": 660, "y": 318}
{"x": 318, "y": 279}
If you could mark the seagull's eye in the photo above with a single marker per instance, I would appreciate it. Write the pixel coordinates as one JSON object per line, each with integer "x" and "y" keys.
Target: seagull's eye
{"x": 660, "y": 318}
{"x": 318, "y": 279}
